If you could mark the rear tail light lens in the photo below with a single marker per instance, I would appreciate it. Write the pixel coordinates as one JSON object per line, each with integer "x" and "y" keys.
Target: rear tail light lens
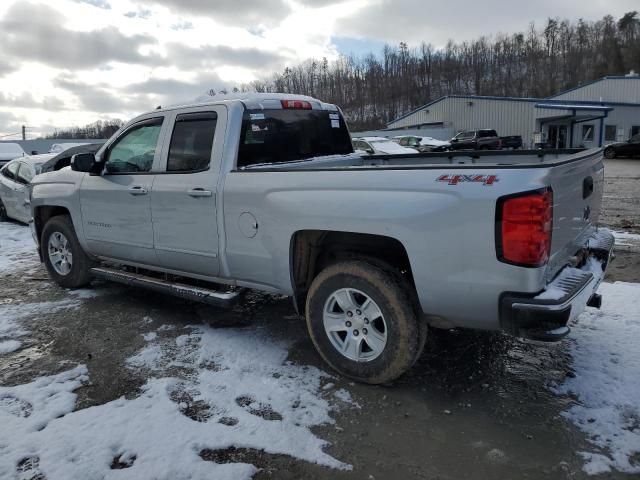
{"x": 295, "y": 104}
{"x": 523, "y": 228}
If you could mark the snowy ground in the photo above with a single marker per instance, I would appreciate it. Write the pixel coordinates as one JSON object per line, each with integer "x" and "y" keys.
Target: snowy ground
{"x": 208, "y": 390}
{"x": 215, "y": 394}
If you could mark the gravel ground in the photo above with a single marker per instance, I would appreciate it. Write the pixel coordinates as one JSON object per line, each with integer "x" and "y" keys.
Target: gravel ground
{"x": 476, "y": 405}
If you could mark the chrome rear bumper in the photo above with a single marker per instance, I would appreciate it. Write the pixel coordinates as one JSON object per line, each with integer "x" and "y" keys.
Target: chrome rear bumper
{"x": 545, "y": 316}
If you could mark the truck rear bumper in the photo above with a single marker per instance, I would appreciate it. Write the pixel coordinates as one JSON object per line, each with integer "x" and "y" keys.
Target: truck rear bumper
{"x": 545, "y": 316}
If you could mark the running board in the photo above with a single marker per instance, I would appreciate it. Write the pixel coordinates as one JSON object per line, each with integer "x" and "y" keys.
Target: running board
{"x": 199, "y": 294}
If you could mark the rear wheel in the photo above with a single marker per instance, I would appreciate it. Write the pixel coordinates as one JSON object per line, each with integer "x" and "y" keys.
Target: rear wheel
{"x": 63, "y": 255}
{"x": 609, "y": 153}
{"x": 362, "y": 321}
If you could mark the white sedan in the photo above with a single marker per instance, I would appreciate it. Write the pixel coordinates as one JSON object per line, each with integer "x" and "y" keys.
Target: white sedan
{"x": 15, "y": 186}
{"x": 379, "y": 146}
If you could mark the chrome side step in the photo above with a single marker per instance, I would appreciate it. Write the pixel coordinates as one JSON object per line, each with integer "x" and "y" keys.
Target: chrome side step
{"x": 199, "y": 294}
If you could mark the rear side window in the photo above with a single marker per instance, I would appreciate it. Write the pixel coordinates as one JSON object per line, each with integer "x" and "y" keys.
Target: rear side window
{"x": 274, "y": 136}
{"x": 191, "y": 142}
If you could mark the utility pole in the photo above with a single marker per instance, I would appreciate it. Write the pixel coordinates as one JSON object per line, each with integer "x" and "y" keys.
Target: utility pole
{"x": 24, "y": 132}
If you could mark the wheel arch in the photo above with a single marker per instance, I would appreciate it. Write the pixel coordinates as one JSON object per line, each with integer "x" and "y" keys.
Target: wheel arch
{"x": 311, "y": 251}
{"x": 42, "y": 214}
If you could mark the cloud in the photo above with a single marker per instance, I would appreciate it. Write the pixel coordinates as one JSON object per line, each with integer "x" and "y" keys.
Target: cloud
{"x": 7, "y": 66}
{"x": 96, "y": 3}
{"x": 415, "y": 21}
{"x": 168, "y": 91}
{"x": 35, "y": 32}
{"x": 9, "y": 123}
{"x": 26, "y": 100}
{"x": 233, "y": 12}
{"x": 141, "y": 13}
{"x": 213, "y": 55}
{"x": 99, "y": 98}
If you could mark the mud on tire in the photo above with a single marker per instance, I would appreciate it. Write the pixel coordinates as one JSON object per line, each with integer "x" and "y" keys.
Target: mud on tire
{"x": 61, "y": 227}
{"x": 405, "y": 335}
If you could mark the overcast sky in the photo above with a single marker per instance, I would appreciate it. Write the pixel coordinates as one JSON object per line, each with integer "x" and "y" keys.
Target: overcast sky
{"x": 71, "y": 62}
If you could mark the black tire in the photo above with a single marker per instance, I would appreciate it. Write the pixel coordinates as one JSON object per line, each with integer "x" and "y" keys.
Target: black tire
{"x": 79, "y": 275}
{"x": 609, "y": 153}
{"x": 405, "y": 335}
{"x": 3, "y": 212}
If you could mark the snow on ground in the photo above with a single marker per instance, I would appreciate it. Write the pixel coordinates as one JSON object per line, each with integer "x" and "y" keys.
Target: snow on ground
{"x": 605, "y": 345}
{"x": 627, "y": 238}
{"x": 11, "y": 316}
{"x": 17, "y": 248}
{"x": 237, "y": 389}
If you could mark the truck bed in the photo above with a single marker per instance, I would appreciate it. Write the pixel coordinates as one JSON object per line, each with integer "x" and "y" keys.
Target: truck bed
{"x": 434, "y": 160}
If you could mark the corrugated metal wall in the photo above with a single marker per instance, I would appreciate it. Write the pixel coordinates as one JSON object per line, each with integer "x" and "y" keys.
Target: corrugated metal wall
{"x": 624, "y": 90}
{"x": 507, "y": 117}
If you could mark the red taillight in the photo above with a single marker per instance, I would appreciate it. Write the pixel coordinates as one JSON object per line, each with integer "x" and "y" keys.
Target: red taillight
{"x": 296, "y": 104}
{"x": 524, "y": 228}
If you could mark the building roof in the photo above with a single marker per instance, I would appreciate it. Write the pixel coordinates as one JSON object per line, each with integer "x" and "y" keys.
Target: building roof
{"x": 531, "y": 99}
{"x": 610, "y": 77}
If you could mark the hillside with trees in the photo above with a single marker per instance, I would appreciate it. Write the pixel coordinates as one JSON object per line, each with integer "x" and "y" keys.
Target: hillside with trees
{"x": 537, "y": 63}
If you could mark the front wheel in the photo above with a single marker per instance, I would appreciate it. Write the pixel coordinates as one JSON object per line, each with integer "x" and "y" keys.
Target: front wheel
{"x": 362, "y": 321}
{"x": 3, "y": 212}
{"x": 63, "y": 255}
{"x": 609, "y": 153}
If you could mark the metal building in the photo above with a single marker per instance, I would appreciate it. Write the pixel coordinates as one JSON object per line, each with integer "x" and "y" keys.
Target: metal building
{"x": 600, "y": 112}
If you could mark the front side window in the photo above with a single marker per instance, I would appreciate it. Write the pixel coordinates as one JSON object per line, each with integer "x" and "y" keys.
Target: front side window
{"x": 11, "y": 170}
{"x": 635, "y": 130}
{"x": 191, "y": 142}
{"x": 25, "y": 175}
{"x": 133, "y": 152}
{"x": 587, "y": 133}
{"x": 610, "y": 133}
{"x": 274, "y": 136}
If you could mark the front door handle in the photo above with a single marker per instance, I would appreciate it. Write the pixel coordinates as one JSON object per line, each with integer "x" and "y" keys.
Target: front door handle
{"x": 199, "y": 192}
{"x": 137, "y": 190}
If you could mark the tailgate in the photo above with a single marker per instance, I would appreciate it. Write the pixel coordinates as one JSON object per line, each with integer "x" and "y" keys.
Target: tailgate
{"x": 577, "y": 198}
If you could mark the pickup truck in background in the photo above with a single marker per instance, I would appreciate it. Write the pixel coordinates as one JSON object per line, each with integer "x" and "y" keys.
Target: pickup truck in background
{"x": 512, "y": 141}
{"x": 264, "y": 191}
{"x": 485, "y": 139}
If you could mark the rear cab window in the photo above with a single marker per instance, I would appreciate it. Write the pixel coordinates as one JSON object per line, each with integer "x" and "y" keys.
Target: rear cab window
{"x": 283, "y": 135}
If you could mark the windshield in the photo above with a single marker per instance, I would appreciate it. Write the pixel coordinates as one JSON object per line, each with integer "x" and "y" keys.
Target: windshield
{"x": 274, "y": 136}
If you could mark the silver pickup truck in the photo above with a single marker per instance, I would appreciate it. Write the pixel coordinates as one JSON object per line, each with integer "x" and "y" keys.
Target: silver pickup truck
{"x": 263, "y": 191}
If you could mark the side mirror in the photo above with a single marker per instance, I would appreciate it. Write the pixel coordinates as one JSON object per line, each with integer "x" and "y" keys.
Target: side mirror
{"x": 34, "y": 152}
{"x": 370, "y": 151}
{"x": 83, "y": 162}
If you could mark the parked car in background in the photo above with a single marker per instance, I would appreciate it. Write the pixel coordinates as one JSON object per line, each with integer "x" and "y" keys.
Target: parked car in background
{"x": 9, "y": 151}
{"x": 379, "y": 146}
{"x": 15, "y": 186}
{"x": 422, "y": 144}
{"x": 63, "y": 159}
{"x": 630, "y": 148}
{"x": 485, "y": 139}
{"x": 512, "y": 141}
{"x": 61, "y": 147}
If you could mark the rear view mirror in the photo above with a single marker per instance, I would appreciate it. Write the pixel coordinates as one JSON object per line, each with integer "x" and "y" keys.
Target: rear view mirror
{"x": 83, "y": 162}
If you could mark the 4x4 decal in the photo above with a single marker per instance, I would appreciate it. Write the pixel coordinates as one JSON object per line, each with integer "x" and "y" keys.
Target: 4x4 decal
{"x": 473, "y": 178}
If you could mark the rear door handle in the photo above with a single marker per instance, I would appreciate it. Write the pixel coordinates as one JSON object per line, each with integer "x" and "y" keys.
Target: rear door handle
{"x": 137, "y": 190}
{"x": 200, "y": 192}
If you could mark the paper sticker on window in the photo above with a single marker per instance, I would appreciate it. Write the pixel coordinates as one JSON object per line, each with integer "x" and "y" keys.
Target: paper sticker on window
{"x": 255, "y": 128}
{"x": 334, "y": 116}
{"x": 335, "y": 123}
{"x": 256, "y": 116}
